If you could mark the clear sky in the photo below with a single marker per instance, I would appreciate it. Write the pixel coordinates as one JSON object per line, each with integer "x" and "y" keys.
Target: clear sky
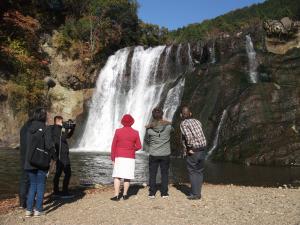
{"x": 177, "y": 13}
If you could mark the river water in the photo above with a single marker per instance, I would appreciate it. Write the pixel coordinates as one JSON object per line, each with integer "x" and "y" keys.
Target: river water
{"x": 92, "y": 167}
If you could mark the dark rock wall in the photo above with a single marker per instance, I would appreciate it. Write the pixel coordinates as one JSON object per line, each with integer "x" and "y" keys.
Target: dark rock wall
{"x": 263, "y": 119}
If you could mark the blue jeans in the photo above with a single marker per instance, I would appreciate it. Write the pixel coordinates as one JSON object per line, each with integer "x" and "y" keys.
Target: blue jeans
{"x": 37, "y": 179}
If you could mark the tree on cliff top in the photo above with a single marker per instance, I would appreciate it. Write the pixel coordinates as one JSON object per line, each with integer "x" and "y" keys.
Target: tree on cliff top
{"x": 104, "y": 26}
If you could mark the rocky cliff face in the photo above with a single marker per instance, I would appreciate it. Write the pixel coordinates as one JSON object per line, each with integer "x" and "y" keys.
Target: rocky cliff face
{"x": 9, "y": 122}
{"x": 68, "y": 98}
{"x": 261, "y": 125}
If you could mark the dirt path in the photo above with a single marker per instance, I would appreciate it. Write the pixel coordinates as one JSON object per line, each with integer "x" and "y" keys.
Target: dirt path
{"x": 220, "y": 205}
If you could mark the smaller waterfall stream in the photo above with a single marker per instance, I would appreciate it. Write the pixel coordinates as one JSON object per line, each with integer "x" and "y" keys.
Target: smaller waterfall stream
{"x": 216, "y": 139}
{"x": 212, "y": 51}
{"x": 190, "y": 56}
{"x": 253, "y": 64}
{"x": 173, "y": 100}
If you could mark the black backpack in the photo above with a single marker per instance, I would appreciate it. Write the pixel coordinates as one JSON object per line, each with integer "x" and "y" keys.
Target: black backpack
{"x": 40, "y": 157}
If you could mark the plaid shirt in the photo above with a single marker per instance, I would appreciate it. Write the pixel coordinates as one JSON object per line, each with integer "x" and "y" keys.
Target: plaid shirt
{"x": 193, "y": 136}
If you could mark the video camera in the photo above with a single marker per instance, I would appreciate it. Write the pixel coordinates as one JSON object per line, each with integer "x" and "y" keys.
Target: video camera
{"x": 69, "y": 124}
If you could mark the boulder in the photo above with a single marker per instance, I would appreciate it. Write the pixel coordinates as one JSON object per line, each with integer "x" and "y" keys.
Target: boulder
{"x": 282, "y": 35}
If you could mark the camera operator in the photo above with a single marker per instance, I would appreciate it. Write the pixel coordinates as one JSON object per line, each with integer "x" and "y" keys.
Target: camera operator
{"x": 61, "y": 131}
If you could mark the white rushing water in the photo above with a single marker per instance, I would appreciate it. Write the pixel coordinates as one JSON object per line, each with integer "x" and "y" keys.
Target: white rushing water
{"x": 216, "y": 139}
{"x": 253, "y": 64}
{"x": 173, "y": 100}
{"x": 136, "y": 92}
{"x": 167, "y": 58}
{"x": 212, "y": 51}
{"x": 190, "y": 57}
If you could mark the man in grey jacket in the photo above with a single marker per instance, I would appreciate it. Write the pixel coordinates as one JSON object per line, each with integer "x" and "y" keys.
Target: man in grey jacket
{"x": 157, "y": 140}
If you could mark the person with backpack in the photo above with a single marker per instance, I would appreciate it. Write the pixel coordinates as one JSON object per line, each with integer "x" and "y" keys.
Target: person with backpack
{"x": 194, "y": 143}
{"x": 40, "y": 150}
{"x": 157, "y": 142}
{"x": 60, "y": 135}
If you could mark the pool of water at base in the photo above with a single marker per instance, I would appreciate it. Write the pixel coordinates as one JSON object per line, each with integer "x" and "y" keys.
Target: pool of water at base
{"x": 96, "y": 168}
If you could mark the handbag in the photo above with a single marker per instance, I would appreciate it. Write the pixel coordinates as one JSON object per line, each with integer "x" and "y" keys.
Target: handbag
{"x": 40, "y": 157}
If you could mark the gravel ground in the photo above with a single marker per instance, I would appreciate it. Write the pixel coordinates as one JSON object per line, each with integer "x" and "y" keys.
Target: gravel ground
{"x": 220, "y": 205}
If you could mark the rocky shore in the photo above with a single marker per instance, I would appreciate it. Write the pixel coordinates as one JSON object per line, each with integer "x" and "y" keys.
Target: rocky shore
{"x": 220, "y": 204}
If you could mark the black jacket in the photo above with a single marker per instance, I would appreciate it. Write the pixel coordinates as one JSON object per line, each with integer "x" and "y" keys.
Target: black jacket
{"x": 33, "y": 127}
{"x": 60, "y": 136}
{"x": 23, "y": 142}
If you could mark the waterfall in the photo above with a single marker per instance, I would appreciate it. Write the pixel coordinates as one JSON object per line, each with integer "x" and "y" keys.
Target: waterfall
{"x": 168, "y": 51}
{"x": 175, "y": 94}
{"x": 178, "y": 61}
{"x": 216, "y": 139}
{"x": 173, "y": 100}
{"x": 212, "y": 51}
{"x": 138, "y": 91}
{"x": 190, "y": 56}
{"x": 253, "y": 64}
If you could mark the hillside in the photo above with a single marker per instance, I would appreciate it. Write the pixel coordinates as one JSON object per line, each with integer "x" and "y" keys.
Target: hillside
{"x": 237, "y": 20}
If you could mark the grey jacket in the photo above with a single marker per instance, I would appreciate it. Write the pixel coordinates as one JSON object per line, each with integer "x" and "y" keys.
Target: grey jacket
{"x": 157, "y": 138}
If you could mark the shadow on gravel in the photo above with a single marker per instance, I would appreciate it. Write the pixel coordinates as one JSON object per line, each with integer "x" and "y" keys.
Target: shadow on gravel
{"x": 184, "y": 188}
{"x": 133, "y": 190}
{"x": 53, "y": 203}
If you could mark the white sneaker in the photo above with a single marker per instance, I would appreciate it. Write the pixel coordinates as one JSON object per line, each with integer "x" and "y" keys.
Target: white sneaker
{"x": 151, "y": 196}
{"x": 165, "y": 196}
{"x": 28, "y": 213}
{"x": 37, "y": 213}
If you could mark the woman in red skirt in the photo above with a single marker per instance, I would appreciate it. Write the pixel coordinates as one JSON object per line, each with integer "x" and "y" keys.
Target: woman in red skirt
{"x": 125, "y": 143}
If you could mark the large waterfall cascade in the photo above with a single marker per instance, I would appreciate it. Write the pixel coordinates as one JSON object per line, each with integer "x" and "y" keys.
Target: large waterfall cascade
{"x": 135, "y": 81}
{"x": 253, "y": 64}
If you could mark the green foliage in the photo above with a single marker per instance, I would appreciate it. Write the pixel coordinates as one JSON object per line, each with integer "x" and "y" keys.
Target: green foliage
{"x": 23, "y": 97}
{"x": 152, "y": 34}
{"x": 238, "y": 19}
{"x": 26, "y": 90}
{"x": 102, "y": 24}
{"x": 18, "y": 47}
{"x": 76, "y": 29}
{"x": 22, "y": 64}
{"x": 16, "y": 97}
{"x": 96, "y": 28}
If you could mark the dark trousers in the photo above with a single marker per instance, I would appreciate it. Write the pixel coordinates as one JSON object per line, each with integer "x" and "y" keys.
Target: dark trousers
{"x": 60, "y": 167}
{"x": 164, "y": 163}
{"x": 23, "y": 189}
{"x": 195, "y": 167}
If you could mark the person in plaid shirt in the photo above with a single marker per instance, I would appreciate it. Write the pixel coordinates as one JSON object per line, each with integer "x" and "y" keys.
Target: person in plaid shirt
{"x": 194, "y": 143}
